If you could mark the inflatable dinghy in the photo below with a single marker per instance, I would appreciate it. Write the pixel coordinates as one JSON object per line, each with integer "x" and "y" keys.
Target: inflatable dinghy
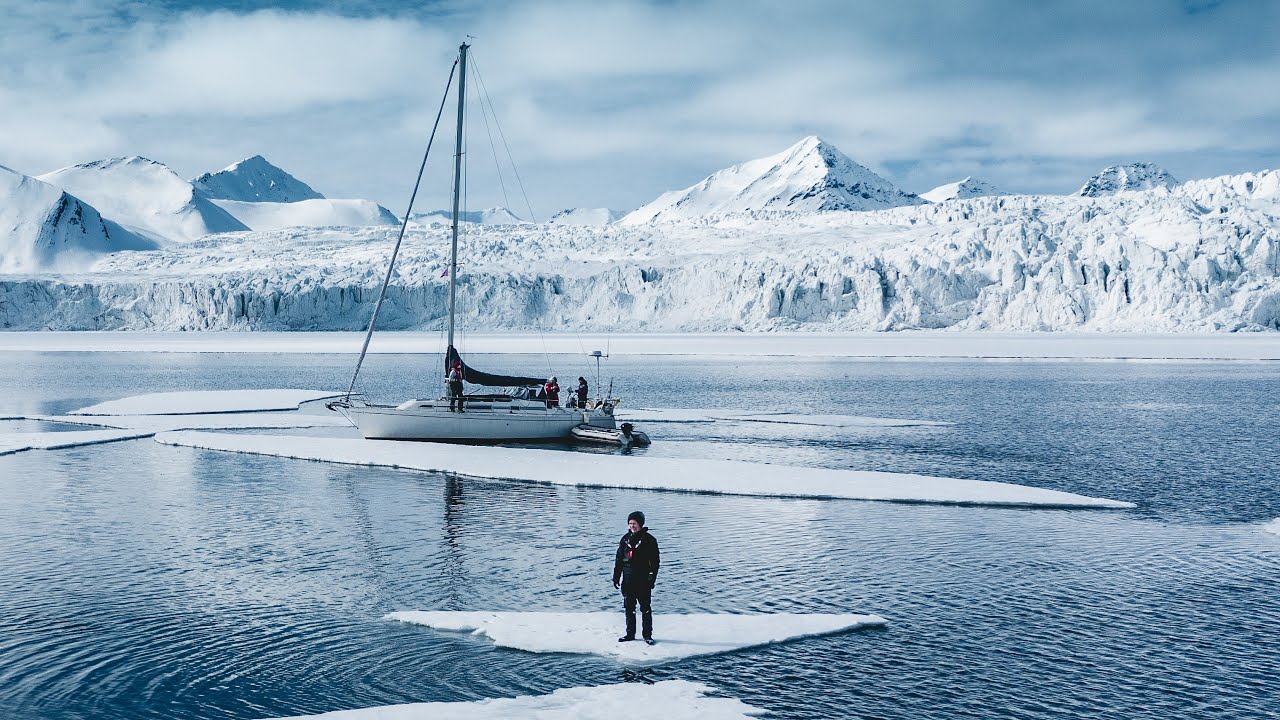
{"x": 626, "y": 434}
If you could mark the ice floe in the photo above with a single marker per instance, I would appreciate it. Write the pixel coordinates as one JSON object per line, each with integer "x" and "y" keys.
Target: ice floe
{"x": 207, "y": 421}
{"x": 1273, "y": 526}
{"x": 19, "y": 441}
{"x": 669, "y": 700}
{"x": 696, "y": 415}
{"x": 596, "y": 633}
{"x": 642, "y": 472}
{"x": 205, "y": 401}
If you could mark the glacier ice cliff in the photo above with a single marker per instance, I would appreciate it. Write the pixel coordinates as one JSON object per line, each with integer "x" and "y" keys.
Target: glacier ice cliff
{"x": 1204, "y": 255}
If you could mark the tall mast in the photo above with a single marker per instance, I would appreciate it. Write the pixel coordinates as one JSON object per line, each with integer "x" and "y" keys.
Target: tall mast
{"x": 457, "y": 187}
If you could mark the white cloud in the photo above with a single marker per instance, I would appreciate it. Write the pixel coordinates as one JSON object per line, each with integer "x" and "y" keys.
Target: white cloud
{"x": 611, "y": 103}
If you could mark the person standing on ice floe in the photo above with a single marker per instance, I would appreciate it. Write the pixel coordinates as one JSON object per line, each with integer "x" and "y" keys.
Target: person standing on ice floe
{"x": 552, "y": 389}
{"x": 635, "y": 571}
{"x": 455, "y": 386}
{"x": 583, "y": 392}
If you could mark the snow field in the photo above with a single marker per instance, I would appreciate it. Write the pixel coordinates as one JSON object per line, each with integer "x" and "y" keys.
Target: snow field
{"x": 641, "y": 472}
{"x": 596, "y": 633}
{"x": 668, "y": 700}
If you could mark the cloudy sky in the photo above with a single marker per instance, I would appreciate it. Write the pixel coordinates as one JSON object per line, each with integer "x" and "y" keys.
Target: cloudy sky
{"x": 609, "y": 104}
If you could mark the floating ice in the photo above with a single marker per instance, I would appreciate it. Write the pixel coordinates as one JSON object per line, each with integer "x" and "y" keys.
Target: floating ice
{"x": 669, "y": 700}
{"x": 645, "y": 472}
{"x": 17, "y": 442}
{"x": 205, "y": 401}
{"x": 1273, "y": 526}
{"x": 207, "y": 421}
{"x": 694, "y": 415}
{"x": 596, "y": 633}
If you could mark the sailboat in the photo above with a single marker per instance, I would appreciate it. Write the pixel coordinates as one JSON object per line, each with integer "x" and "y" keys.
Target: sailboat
{"x": 522, "y": 415}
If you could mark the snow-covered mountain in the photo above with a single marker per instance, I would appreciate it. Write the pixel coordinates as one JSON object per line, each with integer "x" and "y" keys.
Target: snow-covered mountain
{"x": 321, "y": 212}
{"x": 43, "y": 228}
{"x": 811, "y": 175}
{"x": 254, "y": 180}
{"x": 1204, "y": 255}
{"x": 146, "y": 197}
{"x": 586, "y": 216}
{"x": 491, "y": 216}
{"x": 969, "y": 187}
{"x": 1136, "y": 176}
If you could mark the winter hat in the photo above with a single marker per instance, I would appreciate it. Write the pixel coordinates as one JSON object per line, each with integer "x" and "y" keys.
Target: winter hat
{"x": 637, "y": 516}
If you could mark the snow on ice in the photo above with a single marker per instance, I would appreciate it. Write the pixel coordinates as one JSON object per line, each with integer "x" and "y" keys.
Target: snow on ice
{"x": 641, "y": 472}
{"x": 668, "y": 699}
{"x": 206, "y": 421}
{"x": 193, "y": 402}
{"x": 596, "y": 633}
{"x": 19, "y": 441}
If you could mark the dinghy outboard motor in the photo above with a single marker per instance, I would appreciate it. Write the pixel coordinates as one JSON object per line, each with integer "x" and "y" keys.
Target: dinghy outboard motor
{"x": 631, "y": 436}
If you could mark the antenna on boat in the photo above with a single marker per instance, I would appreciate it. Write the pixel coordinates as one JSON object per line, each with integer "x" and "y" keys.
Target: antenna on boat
{"x": 597, "y": 355}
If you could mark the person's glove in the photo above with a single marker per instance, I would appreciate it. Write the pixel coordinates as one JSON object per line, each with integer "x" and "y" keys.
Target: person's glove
{"x": 616, "y": 585}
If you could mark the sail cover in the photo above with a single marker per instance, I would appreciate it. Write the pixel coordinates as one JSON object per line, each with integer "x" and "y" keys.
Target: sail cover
{"x": 477, "y": 377}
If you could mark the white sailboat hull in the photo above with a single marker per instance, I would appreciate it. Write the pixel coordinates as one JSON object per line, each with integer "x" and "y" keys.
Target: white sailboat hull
{"x": 491, "y": 422}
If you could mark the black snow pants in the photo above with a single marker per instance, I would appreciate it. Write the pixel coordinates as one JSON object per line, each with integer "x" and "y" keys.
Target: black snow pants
{"x": 634, "y": 592}
{"x": 455, "y": 396}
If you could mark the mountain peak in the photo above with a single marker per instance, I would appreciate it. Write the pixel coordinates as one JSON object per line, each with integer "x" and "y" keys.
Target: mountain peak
{"x": 1134, "y": 176}
{"x": 812, "y": 175}
{"x": 254, "y": 179}
{"x": 970, "y": 187}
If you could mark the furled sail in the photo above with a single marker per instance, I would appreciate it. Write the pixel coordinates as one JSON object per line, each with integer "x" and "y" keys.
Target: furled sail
{"x": 477, "y": 377}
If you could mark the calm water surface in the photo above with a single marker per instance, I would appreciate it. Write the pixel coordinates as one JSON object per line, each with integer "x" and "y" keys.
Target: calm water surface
{"x": 145, "y": 581}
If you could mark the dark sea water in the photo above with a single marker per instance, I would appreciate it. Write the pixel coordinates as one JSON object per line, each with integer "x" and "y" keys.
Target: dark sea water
{"x": 146, "y": 581}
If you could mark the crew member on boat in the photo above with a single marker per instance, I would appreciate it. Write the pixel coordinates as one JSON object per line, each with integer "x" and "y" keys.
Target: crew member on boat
{"x": 583, "y": 392}
{"x": 552, "y": 391}
{"x": 455, "y": 386}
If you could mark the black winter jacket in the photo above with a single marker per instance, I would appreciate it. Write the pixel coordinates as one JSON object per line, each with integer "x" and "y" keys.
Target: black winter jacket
{"x": 637, "y": 559}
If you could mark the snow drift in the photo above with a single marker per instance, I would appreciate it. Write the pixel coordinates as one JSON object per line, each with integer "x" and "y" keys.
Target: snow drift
{"x": 43, "y": 228}
{"x": 146, "y": 197}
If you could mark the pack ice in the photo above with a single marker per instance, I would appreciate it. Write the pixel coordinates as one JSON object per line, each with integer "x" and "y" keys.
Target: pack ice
{"x": 596, "y": 633}
{"x": 727, "y": 477}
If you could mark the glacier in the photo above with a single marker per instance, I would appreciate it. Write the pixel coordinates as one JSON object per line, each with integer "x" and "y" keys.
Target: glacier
{"x": 1201, "y": 256}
